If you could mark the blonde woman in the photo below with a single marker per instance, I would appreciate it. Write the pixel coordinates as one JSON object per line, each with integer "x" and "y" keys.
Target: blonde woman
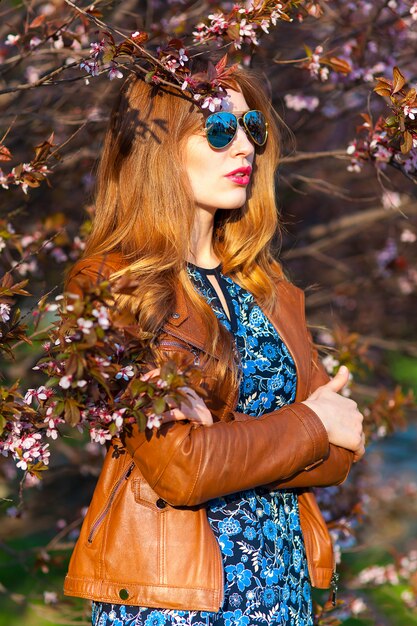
{"x": 211, "y": 519}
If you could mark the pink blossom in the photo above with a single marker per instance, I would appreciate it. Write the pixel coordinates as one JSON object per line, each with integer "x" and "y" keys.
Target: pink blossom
{"x": 30, "y": 441}
{"x": 125, "y": 372}
{"x": 265, "y": 26}
{"x": 58, "y": 42}
{"x": 248, "y": 30}
{"x": 4, "y": 312}
{"x": 171, "y": 63}
{"x": 34, "y": 42}
{"x": 99, "y": 435}
{"x": 50, "y": 597}
{"x": 97, "y": 48}
{"x": 391, "y": 199}
{"x": 182, "y": 56}
{"x": 218, "y": 22}
{"x": 153, "y": 421}
{"x": 102, "y": 317}
{"x": 101, "y": 361}
{"x": 413, "y": 11}
{"x": 211, "y": 103}
{"x": 117, "y": 418}
{"x": 91, "y": 67}
{"x": 22, "y": 464}
{"x": 31, "y": 481}
{"x": 324, "y": 73}
{"x": 84, "y": 325}
{"x": 65, "y": 382}
{"x": 41, "y": 393}
{"x": 410, "y": 111}
{"x": 300, "y": 102}
{"x": 408, "y": 236}
{"x": 276, "y": 14}
{"x": 11, "y": 40}
{"x": 358, "y": 606}
{"x": 27, "y": 240}
{"x": 114, "y": 72}
{"x": 381, "y": 153}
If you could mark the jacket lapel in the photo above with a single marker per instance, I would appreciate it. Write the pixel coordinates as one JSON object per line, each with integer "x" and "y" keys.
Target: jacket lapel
{"x": 288, "y": 320}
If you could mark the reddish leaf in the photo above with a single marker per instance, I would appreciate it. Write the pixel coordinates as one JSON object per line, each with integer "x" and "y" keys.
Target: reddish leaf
{"x": 94, "y": 12}
{"x": 407, "y": 142}
{"x": 384, "y": 80}
{"x": 410, "y": 97}
{"x": 339, "y": 65}
{"x": 233, "y": 32}
{"x": 43, "y": 149}
{"x": 398, "y": 80}
{"x": 382, "y": 90}
{"x": 5, "y": 154}
{"x": 221, "y": 65}
{"x": 38, "y": 21}
{"x": 314, "y": 9}
{"x": 140, "y": 38}
{"x": 30, "y": 178}
{"x": 71, "y": 412}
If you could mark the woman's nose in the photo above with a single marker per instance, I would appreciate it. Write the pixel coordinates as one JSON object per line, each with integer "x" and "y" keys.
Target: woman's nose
{"x": 241, "y": 144}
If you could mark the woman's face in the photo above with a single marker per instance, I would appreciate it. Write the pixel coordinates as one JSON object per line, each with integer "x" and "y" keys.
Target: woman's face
{"x": 211, "y": 171}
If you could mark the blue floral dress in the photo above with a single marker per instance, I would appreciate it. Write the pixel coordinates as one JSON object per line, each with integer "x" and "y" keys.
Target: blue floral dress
{"x": 258, "y": 531}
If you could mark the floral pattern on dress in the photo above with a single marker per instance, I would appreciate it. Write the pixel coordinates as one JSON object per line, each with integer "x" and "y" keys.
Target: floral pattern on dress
{"x": 258, "y": 531}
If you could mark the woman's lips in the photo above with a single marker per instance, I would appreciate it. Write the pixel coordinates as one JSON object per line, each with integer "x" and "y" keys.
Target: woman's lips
{"x": 241, "y": 176}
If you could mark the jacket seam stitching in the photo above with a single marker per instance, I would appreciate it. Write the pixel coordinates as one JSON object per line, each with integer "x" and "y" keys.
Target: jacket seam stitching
{"x": 303, "y": 422}
{"x": 137, "y": 585}
{"x": 197, "y": 474}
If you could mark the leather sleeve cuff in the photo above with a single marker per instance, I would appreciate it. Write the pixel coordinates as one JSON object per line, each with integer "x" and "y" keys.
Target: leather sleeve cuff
{"x": 315, "y": 429}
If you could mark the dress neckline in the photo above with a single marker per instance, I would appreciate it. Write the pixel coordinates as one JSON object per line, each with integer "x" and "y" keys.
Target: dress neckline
{"x": 206, "y": 270}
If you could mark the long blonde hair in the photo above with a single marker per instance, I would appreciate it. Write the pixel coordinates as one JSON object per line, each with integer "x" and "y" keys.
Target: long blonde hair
{"x": 145, "y": 209}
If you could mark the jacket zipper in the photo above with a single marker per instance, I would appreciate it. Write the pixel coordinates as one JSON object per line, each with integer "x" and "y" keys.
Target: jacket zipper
{"x": 334, "y": 587}
{"x": 112, "y": 496}
{"x": 186, "y": 348}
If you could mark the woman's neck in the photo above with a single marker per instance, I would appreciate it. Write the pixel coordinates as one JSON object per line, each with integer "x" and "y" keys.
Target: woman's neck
{"x": 201, "y": 248}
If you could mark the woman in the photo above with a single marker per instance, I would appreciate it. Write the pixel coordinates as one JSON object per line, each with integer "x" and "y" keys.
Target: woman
{"x": 210, "y": 519}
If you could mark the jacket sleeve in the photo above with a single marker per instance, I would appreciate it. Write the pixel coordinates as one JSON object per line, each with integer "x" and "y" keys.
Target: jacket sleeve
{"x": 187, "y": 464}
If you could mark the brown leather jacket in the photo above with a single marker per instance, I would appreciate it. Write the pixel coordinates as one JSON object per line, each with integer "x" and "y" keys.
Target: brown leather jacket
{"x": 146, "y": 539}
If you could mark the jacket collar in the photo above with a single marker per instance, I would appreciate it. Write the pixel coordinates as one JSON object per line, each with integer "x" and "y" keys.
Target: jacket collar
{"x": 288, "y": 320}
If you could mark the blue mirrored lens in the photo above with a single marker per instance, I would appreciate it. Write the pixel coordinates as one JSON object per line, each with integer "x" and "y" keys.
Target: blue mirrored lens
{"x": 256, "y": 126}
{"x": 221, "y": 128}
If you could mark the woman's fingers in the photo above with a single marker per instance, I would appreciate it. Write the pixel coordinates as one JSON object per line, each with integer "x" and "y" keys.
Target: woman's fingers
{"x": 358, "y": 454}
{"x": 194, "y": 411}
{"x": 145, "y": 377}
{"x": 339, "y": 380}
{"x": 340, "y": 415}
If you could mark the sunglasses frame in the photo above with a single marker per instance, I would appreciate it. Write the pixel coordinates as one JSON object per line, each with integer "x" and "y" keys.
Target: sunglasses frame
{"x": 239, "y": 119}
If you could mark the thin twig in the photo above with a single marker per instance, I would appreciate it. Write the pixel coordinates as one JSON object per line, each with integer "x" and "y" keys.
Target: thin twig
{"x": 41, "y": 81}
{"x": 308, "y": 156}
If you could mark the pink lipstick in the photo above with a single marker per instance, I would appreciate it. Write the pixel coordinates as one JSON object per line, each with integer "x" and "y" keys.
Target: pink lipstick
{"x": 241, "y": 176}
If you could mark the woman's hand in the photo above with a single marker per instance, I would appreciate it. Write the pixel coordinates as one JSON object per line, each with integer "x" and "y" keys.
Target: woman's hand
{"x": 194, "y": 410}
{"x": 340, "y": 416}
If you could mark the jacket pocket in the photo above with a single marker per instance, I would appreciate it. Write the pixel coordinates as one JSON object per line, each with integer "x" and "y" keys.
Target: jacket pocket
{"x": 166, "y": 345}
{"x": 102, "y": 515}
{"x": 145, "y": 495}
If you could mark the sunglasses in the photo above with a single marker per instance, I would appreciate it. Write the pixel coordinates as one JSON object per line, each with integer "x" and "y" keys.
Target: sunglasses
{"x": 221, "y": 128}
